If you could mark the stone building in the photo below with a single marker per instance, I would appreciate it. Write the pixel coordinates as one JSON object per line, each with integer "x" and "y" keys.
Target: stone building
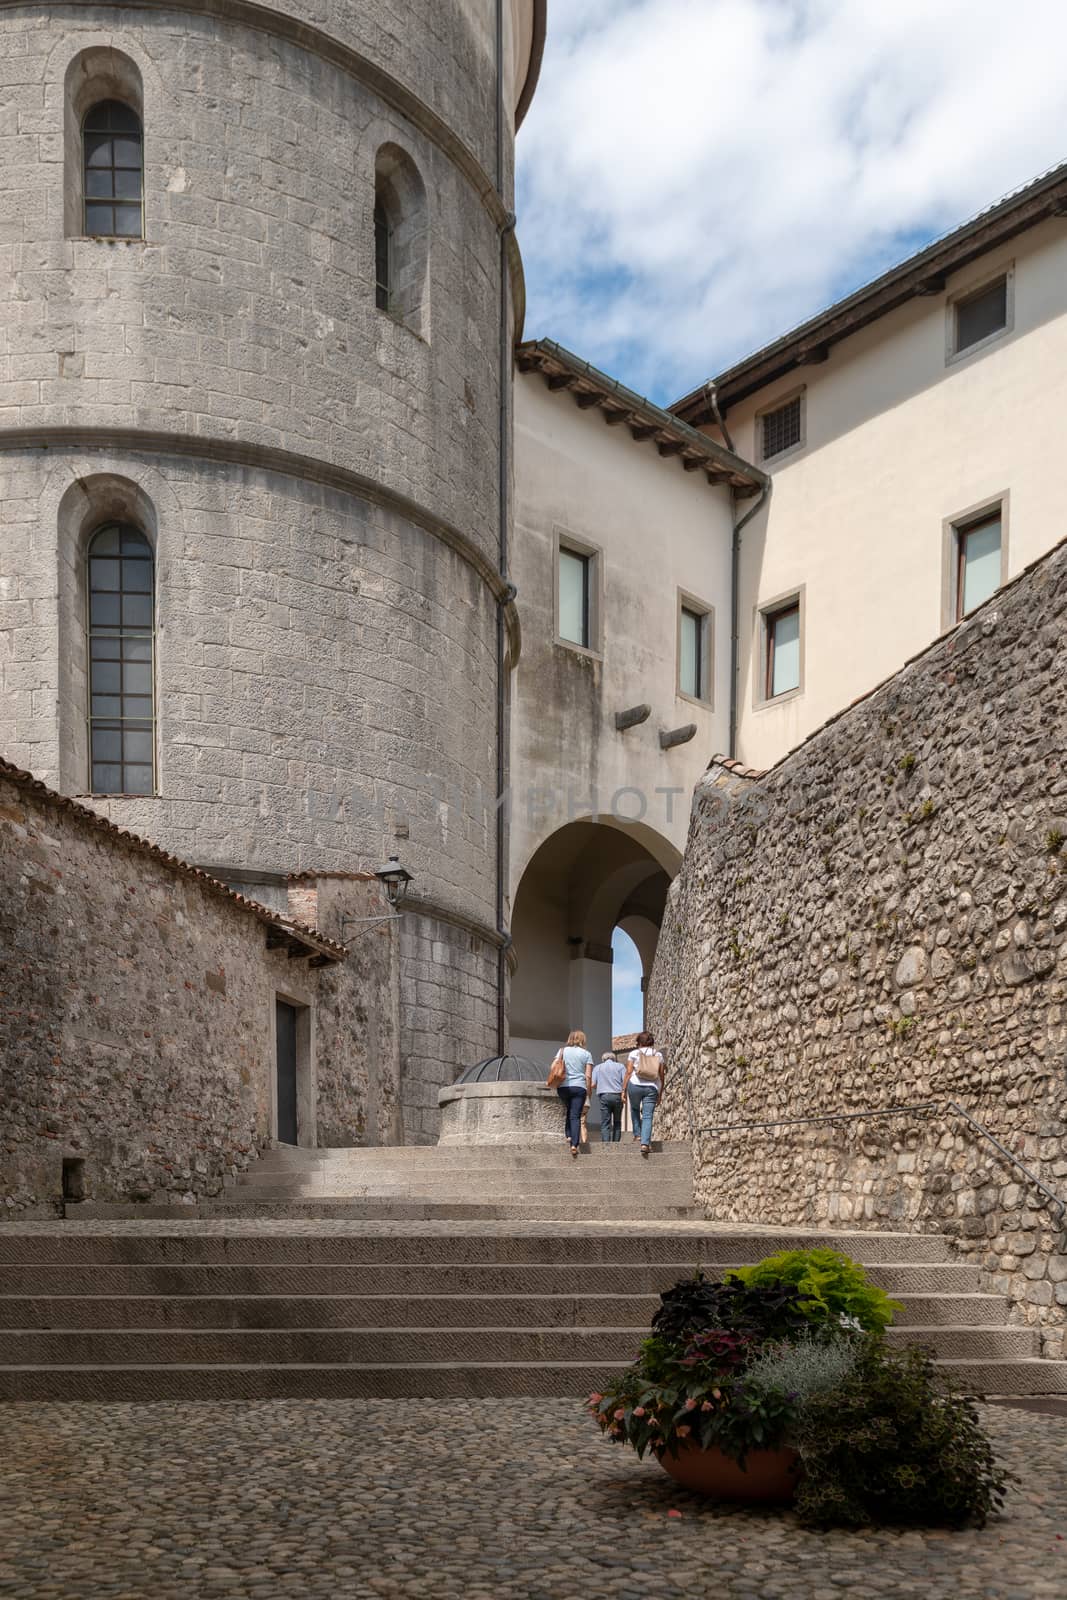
{"x": 309, "y": 557}
{"x": 261, "y": 292}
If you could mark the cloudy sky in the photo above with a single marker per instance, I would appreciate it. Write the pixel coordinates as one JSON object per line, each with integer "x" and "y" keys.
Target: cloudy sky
{"x": 697, "y": 176}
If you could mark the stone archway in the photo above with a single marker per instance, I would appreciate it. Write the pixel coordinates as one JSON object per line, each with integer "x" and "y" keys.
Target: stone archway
{"x": 585, "y": 880}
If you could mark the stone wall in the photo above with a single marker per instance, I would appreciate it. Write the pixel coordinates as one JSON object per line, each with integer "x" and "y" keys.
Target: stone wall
{"x": 137, "y": 1014}
{"x": 880, "y": 921}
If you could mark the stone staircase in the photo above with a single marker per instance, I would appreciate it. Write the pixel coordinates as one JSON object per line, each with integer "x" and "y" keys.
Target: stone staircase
{"x": 373, "y": 1273}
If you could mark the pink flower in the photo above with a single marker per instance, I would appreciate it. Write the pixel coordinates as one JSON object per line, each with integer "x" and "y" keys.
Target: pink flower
{"x": 684, "y": 1431}
{"x": 620, "y": 1414}
{"x": 707, "y": 1406}
{"x": 674, "y": 1513}
{"x": 690, "y": 1404}
{"x": 595, "y": 1399}
{"x": 717, "y": 1394}
{"x": 639, "y": 1411}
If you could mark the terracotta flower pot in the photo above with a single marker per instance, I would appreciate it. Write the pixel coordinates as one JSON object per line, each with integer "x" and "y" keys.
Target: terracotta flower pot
{"x": 769, "y": 1476}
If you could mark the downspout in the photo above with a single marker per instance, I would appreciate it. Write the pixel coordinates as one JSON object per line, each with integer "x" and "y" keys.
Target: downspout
{"x": 503, "y": 507}
{"x": 735, "y": 608}
{"x": 712, "y": 395}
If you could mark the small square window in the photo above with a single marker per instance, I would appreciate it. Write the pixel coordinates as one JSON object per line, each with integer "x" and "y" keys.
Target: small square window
{"x": 694, "y": 650}
{"x": 780, "y": 429}
{"x": 575, "y": 597}
{"x": 782, "y": 666}
{"x": 978, "y": 559}
{"x": 981, "y": 315}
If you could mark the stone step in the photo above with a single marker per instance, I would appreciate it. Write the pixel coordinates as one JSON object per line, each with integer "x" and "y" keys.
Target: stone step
{"x": 233, "y": 1277}
{"x": 564, "y": 1379}
{"x": 463, "y": 1185}
{"x": 374, "y": 1210}
{"x": 465, "y": 1155}
{"x": 337, "y": 1346}
{"x": 680, "y": 1246}
{"x": 619, "y": 1310}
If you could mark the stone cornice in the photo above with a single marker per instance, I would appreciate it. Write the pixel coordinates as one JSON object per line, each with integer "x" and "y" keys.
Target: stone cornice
{"x": 267, "y": 458}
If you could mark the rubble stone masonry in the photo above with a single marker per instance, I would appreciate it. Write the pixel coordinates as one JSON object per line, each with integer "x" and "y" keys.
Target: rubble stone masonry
{"x": 881, "y": 921}
{"x": 136, "y": 1018}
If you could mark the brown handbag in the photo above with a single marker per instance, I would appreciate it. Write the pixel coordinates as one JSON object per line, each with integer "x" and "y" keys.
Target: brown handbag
{"x": 557, "y": 1072}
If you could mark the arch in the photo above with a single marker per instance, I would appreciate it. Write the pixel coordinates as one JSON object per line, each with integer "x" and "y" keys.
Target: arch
{"x": 401, "y": 240}
{"x": 103, "y": 145}
{"x": 87, "y": 506}
{"x": 583, "y": 881}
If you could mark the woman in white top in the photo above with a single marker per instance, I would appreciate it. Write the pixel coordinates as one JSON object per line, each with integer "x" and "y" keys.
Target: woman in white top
{"x": 643, "y": 1086}
{"x": 576, "y": 1085}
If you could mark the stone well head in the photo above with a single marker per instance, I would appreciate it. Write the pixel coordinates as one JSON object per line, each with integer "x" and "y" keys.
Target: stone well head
{"x": 503, "y": 1100}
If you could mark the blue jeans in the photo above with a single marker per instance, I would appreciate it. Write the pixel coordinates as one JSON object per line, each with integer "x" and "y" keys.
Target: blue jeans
{"x": 573, "y": 1099}
{"x": 610, "y": 1117}
{"x": 643, "y": 1097}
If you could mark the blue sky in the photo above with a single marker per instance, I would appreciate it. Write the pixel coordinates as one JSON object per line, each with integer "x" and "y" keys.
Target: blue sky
{"x": 627, "y": 1007}
{"x": 698, "y": 176}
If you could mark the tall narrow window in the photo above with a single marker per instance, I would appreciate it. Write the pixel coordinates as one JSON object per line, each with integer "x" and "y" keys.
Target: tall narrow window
{"x": 694, "y": 652}
{"x": 113, "y": 156}
{"x": 977, "y": 563}
{"x": 382, "y": 256}
{"x": 121, "y": 590}
{"x": 782, "y": 667}
{"x": 401, "y": 240}
{"x": 575, "y": 574}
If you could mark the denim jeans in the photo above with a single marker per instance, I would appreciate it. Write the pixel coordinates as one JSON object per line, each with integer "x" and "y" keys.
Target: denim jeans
{"x": 610, "y": 1117}
{"x": 573, "y": 1099}
{"x": 643, "y": 1097}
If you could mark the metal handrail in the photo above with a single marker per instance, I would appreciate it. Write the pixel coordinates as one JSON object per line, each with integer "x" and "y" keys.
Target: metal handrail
{"x": 927, "y": 1108}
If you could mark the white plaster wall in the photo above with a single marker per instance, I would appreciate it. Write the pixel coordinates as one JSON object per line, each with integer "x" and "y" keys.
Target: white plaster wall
{"x": 896, "y": 442}
{"x": 659, "y": 529}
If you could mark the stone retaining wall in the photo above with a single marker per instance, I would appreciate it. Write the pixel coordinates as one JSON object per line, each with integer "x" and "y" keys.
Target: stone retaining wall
{"x": 881, "y": 920}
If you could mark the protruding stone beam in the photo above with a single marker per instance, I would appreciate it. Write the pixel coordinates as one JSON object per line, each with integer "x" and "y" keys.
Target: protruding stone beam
{"x": 669, "y": 737}
{"x": 631, "y": 718}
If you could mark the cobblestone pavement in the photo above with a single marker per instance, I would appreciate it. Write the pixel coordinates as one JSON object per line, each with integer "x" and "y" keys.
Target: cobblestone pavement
{"x": 488, "y": 1500}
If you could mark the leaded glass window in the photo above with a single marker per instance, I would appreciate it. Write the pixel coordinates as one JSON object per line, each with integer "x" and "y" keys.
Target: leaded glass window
{"x": 121, "y": 590}
{"x": 112, "y": 145}
{"x": 383, "y": 250}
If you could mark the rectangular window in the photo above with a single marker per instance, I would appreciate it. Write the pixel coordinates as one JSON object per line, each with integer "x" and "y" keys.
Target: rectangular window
{"x": 694, "y": 649}
{"x": 977, "y": 563}
{"x": 575, "y": 584}
{"x": 780, "y": 429}
{"x": 981, "y": 315}
{"x": 782, "y": 671}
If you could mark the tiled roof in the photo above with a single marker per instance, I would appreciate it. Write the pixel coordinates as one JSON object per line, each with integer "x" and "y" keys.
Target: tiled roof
{"x": 133, "y": 841}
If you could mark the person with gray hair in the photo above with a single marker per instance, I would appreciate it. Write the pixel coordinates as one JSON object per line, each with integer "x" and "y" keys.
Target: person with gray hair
{"x": 607, "y": 1085}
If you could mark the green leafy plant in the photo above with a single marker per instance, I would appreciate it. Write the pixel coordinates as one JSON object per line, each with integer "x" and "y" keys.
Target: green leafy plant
{"x": 895, "y": 1443}
{"x": 1054, "y": 839}
{"x": 832, "y": 1288}
{"x": 908, "y": 763}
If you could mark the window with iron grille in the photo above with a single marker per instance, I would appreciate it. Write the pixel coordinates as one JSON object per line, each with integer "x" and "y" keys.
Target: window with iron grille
{"x": 121, "y": 625}
{"x": 981, "y": 315}
{"x": 113, "y": 156}
{"x": 780, "y": 429}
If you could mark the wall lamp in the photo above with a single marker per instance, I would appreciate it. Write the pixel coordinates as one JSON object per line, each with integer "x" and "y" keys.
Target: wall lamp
{"x": 394, "y": 879}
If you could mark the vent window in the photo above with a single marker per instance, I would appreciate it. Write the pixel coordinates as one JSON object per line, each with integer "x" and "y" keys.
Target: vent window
{"x": 780, "y": 429}
{"x": 980, "y": 316}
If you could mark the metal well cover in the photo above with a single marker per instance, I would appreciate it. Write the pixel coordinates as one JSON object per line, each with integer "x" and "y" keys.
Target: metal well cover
{"x": 504, "y": 1069}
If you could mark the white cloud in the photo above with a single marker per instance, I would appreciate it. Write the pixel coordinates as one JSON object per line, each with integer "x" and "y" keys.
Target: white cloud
{"x": 697, "y": 176}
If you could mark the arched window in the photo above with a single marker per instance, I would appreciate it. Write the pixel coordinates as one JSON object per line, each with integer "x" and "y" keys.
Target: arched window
{"x": 401, "y": 240}
{"x": 382, "y": 256}
{"x": 121, "y": 591}
{"x": 113, "y": 170}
